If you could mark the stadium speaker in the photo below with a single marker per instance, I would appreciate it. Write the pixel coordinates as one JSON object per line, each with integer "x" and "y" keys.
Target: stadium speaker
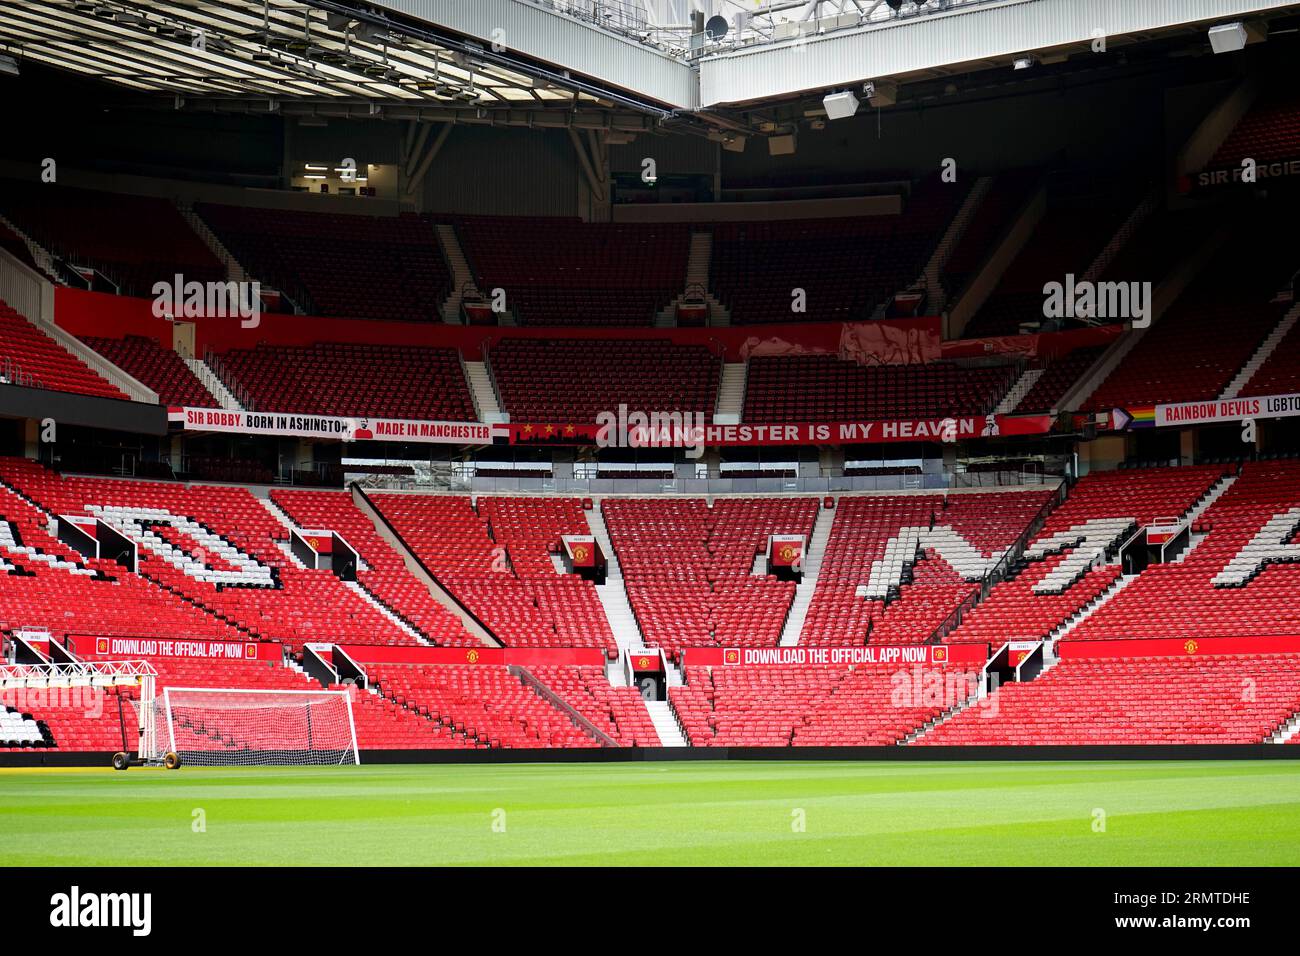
{"x": 840, "y": 105}
{"x": 781, "y": 145}
{"x": 1228, "y": 38}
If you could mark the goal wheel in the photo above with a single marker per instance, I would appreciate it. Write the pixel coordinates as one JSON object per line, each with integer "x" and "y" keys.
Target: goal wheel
{"x": 120, "y": 761}
{"x": 171, "y": 760}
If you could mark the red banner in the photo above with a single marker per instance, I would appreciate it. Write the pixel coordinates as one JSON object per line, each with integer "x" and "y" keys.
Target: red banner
{"x": 521, "y": 656}
{"x": 646, "y": 662}
{"x": 582, "y": 550}
{"x": 1179, "y": 647}
{"x": 819, "y": 656}
{"x": 675, "y": 430}
{"x": 132, "y": 648}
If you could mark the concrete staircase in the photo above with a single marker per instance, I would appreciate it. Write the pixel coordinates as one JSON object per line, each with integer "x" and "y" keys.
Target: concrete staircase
{"x": 1141, "y": 212}
{"x": 1266, "y": 348}
{"x": 40, "y": 255}
{"x": 931, "y": 275}
{"x": 1202, "y": 506}
{"x": 216, "y": 388}
{"x": 486, "y": 401}
{"x": 1016, "y": 394}
{"x": 665, "y": 722}
{"x": 613, "y": 594}
{"x": 462, "y": 277}
{"x": 803, "y": 592}
{"x": 234, "y": 271}
{"x": 1088, "y": 610}
{"x": 731, "y": 393}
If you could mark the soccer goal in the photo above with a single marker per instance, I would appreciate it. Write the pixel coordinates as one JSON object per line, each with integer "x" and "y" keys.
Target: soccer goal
{"x": 227, "y": 727}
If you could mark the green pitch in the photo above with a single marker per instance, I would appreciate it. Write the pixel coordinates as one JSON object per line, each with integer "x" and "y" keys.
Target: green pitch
{"x": 842, "y": 813}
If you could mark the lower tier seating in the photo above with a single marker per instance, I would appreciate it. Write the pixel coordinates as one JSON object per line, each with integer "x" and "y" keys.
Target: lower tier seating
{"x": 479, "y": 706}
{"x": 689, "y": 568}
{"x": 1135, "y": 700}
{"x": 896, "y": 566}
{"x": 813, "y": 706}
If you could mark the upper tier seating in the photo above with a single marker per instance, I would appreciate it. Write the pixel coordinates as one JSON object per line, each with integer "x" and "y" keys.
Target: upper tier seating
{"x": 990, "y": 222}
{"x": 155, "y": 367}
{"x": 688, "y": 568}
{"x": 1057, "y": 378}
{"x": 919, "y": 595}
{"x": 482, "y": 704}
{"x": 372, "y": 381}
{"x": 574, "y": 380}
{"x": 1182, "y": 599}
{"x": 811, "y": 388}
{"x": 13, "y": 244}
{"x": 219, "y": 549}
{"x": 134, "y": 240}
{"x": 1129, "y": 499}
{"x": 353, "y": 266}
{"x": 385, "y": 573}
{"x": 1134, "y": 700}
{"x": 1193, "y": 351}
{"x": 30, "y": 357}
{"x": 1073, "y": 230}
{"x": 846, "y": 267}
{"x": 1270, "y": 131}
{"x": 823, "y": 706}
{"x": 496, "y": 561}
{"x": 1280, "y": 373}
{"x": 567, "y": 272}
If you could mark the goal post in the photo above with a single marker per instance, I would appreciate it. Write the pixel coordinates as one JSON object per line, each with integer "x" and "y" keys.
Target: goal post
{"x": 232, "y": 727}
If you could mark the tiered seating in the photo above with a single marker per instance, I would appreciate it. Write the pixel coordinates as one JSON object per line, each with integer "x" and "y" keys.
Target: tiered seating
{"x": 574, "y": 380}
{"x": 361, "y": 267}
{"x": 845, "y": 266}
{"x": 1057, "y": 377}
{"x": 1270, "y": 131}
{"x": 566, "y": 272}
{"x": 1186, "y": 356}
{"x": 617, "y": 711}
{"x": 30, "y": 357}
{"x": 384, "y": 724}
{"x": 932, "y": 588}
{"x": 1182, "y": 599}
{"x": 810, "y": 388}
{"x": 484, "y": 704}
{"x": 13, "y": 244}
{"x": 823, "y": 706}
{"x": 48, "y": 585}
{"x": 385, "y": 574}
{"x": 160, "y": 369}
{"x": 1280, "y": 373}
{"x": 373, "y": 381}
{"x": 688, "y": 568}
{"x": 495, "y": 561}
{"x": 1015, "y": 611}
{"x": 218, "y": 549}
{"x": 1137, "y": 700}
{"x": 134, "y": 240}
{"x": 1067, "y": 239}
{"x": 993, "y": 217}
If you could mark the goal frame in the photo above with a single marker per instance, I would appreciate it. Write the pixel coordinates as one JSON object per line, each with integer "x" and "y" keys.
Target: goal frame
{"x": 168, "y": 731}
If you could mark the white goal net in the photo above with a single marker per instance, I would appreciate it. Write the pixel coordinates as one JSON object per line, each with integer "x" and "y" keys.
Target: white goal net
{"x": 231, "y": 728}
